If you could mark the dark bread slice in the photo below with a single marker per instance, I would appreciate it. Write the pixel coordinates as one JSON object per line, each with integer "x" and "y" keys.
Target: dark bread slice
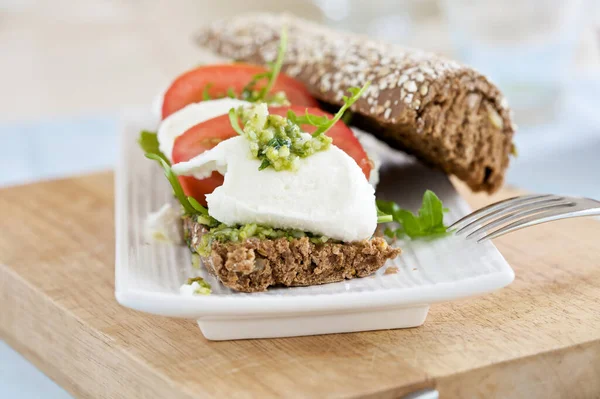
{"x": 448, "y": 115}
{"x": 253, "y": 265}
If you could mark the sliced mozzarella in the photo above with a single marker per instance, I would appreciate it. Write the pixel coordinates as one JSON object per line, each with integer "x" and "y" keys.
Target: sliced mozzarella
{"x": 327, "y": 195}
{"x": 164, "y": 225}
{"x": 179, "y": 122}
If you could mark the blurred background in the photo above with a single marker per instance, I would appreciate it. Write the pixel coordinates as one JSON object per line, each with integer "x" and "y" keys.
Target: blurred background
{"x": 70, "y": 67}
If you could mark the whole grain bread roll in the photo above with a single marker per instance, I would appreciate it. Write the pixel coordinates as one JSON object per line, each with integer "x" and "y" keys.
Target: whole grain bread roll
{"x": 446, "y": 114}
{"x": 254, "y": 265}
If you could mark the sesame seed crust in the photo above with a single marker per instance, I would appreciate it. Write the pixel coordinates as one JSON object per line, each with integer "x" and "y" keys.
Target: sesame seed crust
{"x": 445, "y": 113}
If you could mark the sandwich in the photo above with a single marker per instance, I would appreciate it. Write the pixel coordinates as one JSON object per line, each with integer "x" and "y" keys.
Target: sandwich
{"x": 275, "y": 188}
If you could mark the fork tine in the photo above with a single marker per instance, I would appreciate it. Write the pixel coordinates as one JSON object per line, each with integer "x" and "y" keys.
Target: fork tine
{"x": 521, "y": 214}
{"x": 494, "y": 207}
{"x": 548, "y": 216}
{"x": 507, "y": 210}
{"x": 510, "y": 210}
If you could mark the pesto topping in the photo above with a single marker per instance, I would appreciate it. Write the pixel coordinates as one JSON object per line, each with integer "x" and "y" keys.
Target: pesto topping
{"x": 201, "y": 287}
{"x": 275, "y": 140}
{"x": 224, "y": 233}
{"x": 323, "y": 123}
{"x": 278, "y": 98}
{"x": 279, "y": 142}
{"x": 195, "y": 261}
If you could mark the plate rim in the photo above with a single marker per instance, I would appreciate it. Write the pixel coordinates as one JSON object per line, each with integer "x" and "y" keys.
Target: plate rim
{"x": 197, "y": 306}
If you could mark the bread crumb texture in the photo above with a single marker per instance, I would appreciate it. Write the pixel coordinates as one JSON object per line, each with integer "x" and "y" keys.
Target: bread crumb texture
{"x": 253, "y": 265}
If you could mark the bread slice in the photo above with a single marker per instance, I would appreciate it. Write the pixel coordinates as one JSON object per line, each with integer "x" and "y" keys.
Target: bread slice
{"x": 448, "y": 115}
{"x": 253, "y": 265}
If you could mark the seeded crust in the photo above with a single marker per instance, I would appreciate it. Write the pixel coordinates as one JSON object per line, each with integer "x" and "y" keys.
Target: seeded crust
{"x": 253, "y": 265}
{"x": 448, "y": 115}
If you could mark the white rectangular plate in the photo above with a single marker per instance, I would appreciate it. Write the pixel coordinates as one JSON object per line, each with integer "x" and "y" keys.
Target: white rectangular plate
{"x": 148, "y": 275}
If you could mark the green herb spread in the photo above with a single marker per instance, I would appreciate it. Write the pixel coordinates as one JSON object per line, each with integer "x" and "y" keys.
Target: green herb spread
{"x": 195, "y": 261}
{"x": 224, "y": 233}
{"x": 203, "y": 288}
{"x": 275, "y": 140}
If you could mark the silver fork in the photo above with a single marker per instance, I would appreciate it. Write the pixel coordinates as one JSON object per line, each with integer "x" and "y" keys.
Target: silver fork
{"x": 520, "y": 212}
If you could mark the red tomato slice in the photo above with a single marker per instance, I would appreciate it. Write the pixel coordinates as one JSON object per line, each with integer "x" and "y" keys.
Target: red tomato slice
{"x": 189, "y": 87}
{"x": 208, "y": 134}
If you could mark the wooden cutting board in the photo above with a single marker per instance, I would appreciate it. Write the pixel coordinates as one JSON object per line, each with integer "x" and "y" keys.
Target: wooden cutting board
{"x": 540, "y": 337}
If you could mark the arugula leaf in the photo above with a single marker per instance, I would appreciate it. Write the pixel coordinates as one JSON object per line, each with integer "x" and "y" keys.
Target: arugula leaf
{"x": 316, "y": 120}
{"x": 323, "y": 123}
{"x": 196, "y": 205}
{"x": 149, "y": 143}
{"x": 432, "y": 211}
{"x": 348, "y": 102}
{"x": 230, "y": 93}
{"x": 264, "y": 164}
{"x": 235, "y": 123}
{"x": 347, "y": 117}
{"x": 205, "y": 95}
{"x": 390, "y": 233}
{"x": 250, "y": 93}
{"x": 387, "y": 207}
{"x": 307, "y": 119}
{"x": 276, "y": 67}
{"x": 429, "y": 221}
{"x": 383, "y": 217}
{"x": 172, "y": 178}
{"x": 203, "y": 217}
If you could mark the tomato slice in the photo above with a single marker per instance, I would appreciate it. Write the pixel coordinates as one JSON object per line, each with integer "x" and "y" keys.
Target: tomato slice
{"x": 206, "y": 135}
{"x": 189, "y": 87}
{"x": 197, "y": 139}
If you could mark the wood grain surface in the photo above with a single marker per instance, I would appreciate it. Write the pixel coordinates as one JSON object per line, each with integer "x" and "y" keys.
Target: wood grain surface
{"x": 540, "y": 337}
